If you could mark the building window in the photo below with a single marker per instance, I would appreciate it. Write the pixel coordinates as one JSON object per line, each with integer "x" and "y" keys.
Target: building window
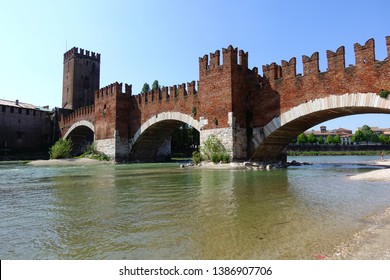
{"x": 27, "y": 112}
{"x": 3, "y": 108}
{"x": 19, "y": 110}
{"x": 12, "y": 109}
{"x": 34, "y": 113}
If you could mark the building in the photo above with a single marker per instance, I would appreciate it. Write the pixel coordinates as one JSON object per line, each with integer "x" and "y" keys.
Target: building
{"x": 344, "y": 134}
{"x": 25, "y": 129}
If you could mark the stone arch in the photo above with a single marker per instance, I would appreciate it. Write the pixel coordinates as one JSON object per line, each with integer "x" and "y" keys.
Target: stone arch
{"x": 78, "y": 124}
{"x": 271, "y": 140}
{"x": 82, "y": 134}
{"x": 149, "y": 138}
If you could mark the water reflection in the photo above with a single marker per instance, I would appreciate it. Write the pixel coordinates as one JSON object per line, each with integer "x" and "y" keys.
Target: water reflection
{"x": 159, "y": 211}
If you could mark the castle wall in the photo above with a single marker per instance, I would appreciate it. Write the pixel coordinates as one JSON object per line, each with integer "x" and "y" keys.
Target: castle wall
{"x": 24, "y": 129}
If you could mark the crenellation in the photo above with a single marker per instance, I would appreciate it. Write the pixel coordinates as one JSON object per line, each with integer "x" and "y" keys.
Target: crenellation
{"x": 128, "y": 89}
{"x": 165, "y": 93}
{"x": 191, "y": 88}
{"x": 81, "y": 53}
{"x": 272, "y": 71}
{"x": 388, "y": 46}
{"x": 243, "y": 59}
{"x": 181, "y": 90}
{"x": 173, "y": 91}
{"x": 336, "y": 60}
{"x": 230, "y": 56}
{"x": 311, "y": 64}
{"x": 288, "y": 69}
{"x": 215, "y": 59}
{"x": 365, "y": 55}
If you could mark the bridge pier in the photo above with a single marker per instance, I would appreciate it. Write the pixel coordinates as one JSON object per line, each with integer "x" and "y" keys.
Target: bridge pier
{"x": 115, "y": 148}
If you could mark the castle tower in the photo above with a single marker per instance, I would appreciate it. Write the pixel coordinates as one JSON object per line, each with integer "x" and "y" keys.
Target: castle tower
{"x": 81, "y": 78}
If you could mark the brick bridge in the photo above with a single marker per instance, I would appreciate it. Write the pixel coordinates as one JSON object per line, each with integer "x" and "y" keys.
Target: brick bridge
{"x": 255, "y": 116}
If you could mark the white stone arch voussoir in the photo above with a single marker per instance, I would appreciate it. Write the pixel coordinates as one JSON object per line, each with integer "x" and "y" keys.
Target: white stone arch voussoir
{"x": 166, "y": 116}
{"x": 348, "y": 100}
{"x": 78, "y": 124}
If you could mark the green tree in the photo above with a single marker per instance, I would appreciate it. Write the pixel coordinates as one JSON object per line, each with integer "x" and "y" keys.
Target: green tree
{"x": 329, "y": 139}
{"x": 384, "y": 139}
{"x": 312, "y": 139}
{"x": 155, "y": 85}
{"x": 364, "y": 134}
{"x": 375, "y": 138}
{"x": 302, "y": 138}
{"x": 145, "y": 88}
{"x": 358, "y": 137}
{"x": 320, "y": 140}
{"x": 336, "y": 139}
{"x": 367, "y": 132}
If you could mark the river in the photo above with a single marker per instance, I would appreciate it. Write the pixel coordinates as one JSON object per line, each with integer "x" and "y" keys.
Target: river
{"x": 161, "y": 211}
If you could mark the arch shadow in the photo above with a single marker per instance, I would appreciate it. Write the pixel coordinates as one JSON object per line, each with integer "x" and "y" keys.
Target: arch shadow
{"x": 151, "y": 142}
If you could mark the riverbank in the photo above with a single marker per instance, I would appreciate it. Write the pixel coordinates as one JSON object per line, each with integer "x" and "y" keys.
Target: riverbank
{"x": 376, "y": 175}
{"x": 371, "y": 243}
{"x": 67, "y": 161}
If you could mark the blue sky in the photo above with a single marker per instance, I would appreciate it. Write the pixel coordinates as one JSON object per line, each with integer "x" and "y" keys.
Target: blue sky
{"x": 143, "y": 41}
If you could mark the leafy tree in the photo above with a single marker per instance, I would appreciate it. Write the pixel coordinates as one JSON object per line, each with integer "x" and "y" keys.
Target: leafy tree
{"x": 358, "y": 136}
{"x": 364, "y": 134}
{"x": 329, "y": 139}
{"x": 384, "y": 139}
{"x": 367, "y": 132}
{"x": 375, "y": 138}
{"x": 312, "y": 139}
{"x": 145, "y": 88}
{"x": 320, "y": 140}
{"x": 302, "y": 138}
{"x": 155, "y": 85}
{"x": 336, "y": 139}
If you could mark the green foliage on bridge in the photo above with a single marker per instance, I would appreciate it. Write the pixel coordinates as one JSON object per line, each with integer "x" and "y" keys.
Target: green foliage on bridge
{"x": 384, "y": 93}
{"x": 212, "y": 150}
{"x": 61, "y": 149}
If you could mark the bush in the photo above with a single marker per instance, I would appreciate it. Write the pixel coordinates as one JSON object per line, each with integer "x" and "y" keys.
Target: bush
{"x": 214, "y": 150}
{"x": 93, "y": 153}
{"x": 61, "y": 149}
{"x": 384, "y": 93}
{"x": 196, "y": 157}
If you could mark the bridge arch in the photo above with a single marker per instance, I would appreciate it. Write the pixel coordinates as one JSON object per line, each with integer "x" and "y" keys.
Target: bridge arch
{"x": 82, "y": 134}
{"x": 151, "y": 141}
{"x": 270, "y": 141}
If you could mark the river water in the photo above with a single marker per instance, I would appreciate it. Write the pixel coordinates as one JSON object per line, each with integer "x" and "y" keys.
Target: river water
{"x": 161, "y": 211}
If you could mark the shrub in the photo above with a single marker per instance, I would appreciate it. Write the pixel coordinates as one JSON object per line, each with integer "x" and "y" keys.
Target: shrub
{"x": 196, "y": 157}
{"x": 214, "y": 150}
{"x": 225, "y": 157}
{"x": 215, "y": 157}
{"x": 93, "y": 153}
{"x": 61, "y": 149}
{"x": 384, "y": 93}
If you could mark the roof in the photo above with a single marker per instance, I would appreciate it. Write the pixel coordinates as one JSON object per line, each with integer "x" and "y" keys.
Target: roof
{"x": 23, "y": 105}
